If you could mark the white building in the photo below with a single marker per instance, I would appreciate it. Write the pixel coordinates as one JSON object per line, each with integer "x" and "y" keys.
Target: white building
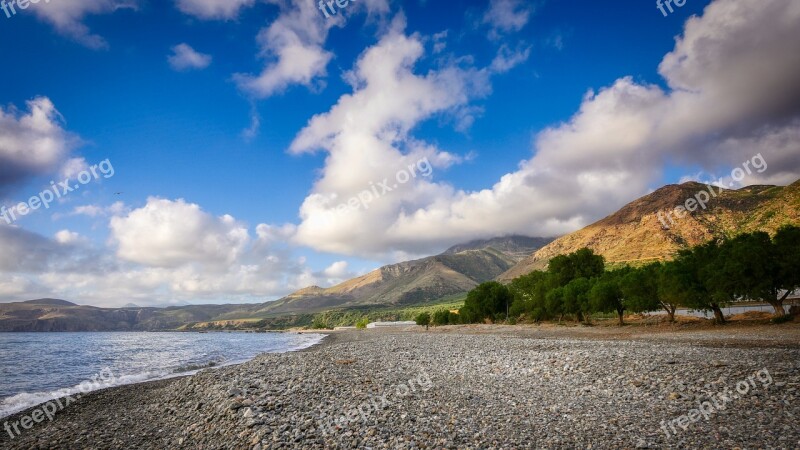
{"x": 390, "y": 324}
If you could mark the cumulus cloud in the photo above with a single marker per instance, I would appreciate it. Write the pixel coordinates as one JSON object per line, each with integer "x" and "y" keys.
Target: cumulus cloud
{"x": 293, "y": 49}
{"x": 168, "y": 251}
{"x": 67, "y": 17}
{"x": 733, "y": 92}
{"x": 292, "y": 46}
{"x": 184, "y": 57}
{"x": 337, "y": 270}
{"x": 66, "y": 237}
{"x": 167, "y": 233}
{"x": 367, "y": 136}
{"x": 32, "y": 143}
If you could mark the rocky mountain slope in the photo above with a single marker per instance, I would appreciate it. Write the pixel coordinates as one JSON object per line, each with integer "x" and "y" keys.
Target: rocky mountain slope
{"x": 643, "y": 231}
{"x": 456, "y": 271}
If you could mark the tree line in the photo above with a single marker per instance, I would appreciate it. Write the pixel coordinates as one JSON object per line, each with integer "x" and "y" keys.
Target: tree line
{"x": 748, "y": 267}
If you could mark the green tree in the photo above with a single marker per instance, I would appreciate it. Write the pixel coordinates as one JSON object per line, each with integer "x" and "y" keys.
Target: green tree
{"x": 747, "y": 269}
{"x": 576, "y": 298}
{"x": 529, "y": 293}
{"x": 641, "y": 290}
{"x": 441, "y": 317}
{"x": 786, "y": 248}
{"x": 486, "y": 300}
{"x": 423, "y": 319}
{"x": 554, "y": 303}
{"x": 580, "y": 264}
{"x": 606, "y": 295}
{"x": 697, "y": 282}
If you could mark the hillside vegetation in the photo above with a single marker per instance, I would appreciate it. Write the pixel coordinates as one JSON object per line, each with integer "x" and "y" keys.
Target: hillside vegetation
{"x": 641, "y": 231}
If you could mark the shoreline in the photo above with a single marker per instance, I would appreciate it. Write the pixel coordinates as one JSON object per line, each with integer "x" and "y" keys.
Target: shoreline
{"x": 163, "y": 378}
{"x": 261, "y": 397}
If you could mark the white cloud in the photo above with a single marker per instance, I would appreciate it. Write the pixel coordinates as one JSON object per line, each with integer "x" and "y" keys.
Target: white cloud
{"x": 507, "y": 58}
{"x": 168, "y": 251}
{"x": 184, "y": 57}
{"x": 363, "y": 133}
{"x": 167, "y": 233}
{"x": 507, "y": 16}
{"x": 734, "y": 93}
{"x": 213, "y": 9}
{"x": 67, "y": 16}
{"x": 31, "y": 144}
{"x": 87, "y": 210}
{"x": 272, "y": 234}
{"x": 337, "y": 270}
{"x": 73, "y": 166}
{"x": 16, "y": 287}
{"x": 66, "y": 237}
{"x": 293, "y": 48}
{"x": 115, "y": 209}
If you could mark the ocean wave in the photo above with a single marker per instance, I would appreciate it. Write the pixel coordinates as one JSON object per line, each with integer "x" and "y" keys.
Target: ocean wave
{"x": 22, "y": 401}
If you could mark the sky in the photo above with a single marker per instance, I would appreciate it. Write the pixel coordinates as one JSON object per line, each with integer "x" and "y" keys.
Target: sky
{"x": 234, "y": 151}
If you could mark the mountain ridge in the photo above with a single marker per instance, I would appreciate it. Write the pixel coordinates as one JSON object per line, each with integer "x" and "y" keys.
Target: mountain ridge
{"x": 643, "y": 231}
{"x": 456, "y": 271}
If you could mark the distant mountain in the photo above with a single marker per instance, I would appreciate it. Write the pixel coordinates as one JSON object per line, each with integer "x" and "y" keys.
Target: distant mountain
{"x": 50, "y": 302}
{"x": 59, "y": 315}
{"x": 456, "y": 271}
{"x": 515, "y": 246}
{"x": 641, "y": 231}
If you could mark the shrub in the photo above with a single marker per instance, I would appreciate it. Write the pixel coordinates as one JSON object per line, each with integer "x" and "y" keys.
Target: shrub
{"x": 782, "y": 319}
{"x": 362, "y": 324}
{"x": 453, "y": 318}
{"x": 441, "y": 317}
{"x": 319, "y": 323}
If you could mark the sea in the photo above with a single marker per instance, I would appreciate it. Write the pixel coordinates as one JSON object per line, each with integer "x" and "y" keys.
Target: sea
{"x": 38, "y": 367}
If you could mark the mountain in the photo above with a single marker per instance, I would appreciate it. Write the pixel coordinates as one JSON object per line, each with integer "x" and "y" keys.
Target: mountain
{"x": 642, "y": 231}
{"x": 50, "y": 302}
{"x": 60, "y": 315}
{"x": 455, "y": 271}
{"x": 514, "y": 246}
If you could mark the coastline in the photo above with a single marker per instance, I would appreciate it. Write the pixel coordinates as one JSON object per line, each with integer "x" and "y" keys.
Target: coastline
{"x": 489, "y": 386}
{"x": 78, "y": 391}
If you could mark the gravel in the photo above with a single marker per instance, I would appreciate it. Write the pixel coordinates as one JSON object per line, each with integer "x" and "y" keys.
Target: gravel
{"x": 457, "y": 389}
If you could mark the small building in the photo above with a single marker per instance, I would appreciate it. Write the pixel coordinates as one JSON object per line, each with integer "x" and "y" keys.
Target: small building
{"x": 390, "y": 324}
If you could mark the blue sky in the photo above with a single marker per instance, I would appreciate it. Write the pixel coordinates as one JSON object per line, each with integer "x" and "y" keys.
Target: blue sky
{"x": 536, "y": 117}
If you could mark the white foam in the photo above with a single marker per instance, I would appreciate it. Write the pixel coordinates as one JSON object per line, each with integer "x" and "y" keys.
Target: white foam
{"x": 25, "y": 400}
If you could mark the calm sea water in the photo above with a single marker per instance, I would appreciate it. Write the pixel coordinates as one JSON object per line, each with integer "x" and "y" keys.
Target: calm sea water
{"x": 37, "y": 367}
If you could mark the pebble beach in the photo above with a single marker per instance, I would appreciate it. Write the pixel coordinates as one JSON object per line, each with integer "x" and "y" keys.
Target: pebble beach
{"x": 462, "y": 387}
